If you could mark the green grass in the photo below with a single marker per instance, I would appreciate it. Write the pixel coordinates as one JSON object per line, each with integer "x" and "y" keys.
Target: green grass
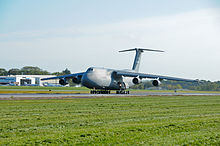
{"x": 43, "y": 90}
{"x": 153, "y": 120}
{"x": 171, "y": 91}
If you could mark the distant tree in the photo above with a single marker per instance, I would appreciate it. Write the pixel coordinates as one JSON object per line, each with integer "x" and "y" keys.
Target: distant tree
{"x": 148, "y": 84}
{"x": 30, "y": 70}
{"x": 178, "y": 86}
{"x": 66, "y": 72}
{"x": 57, "y": 73}
{"x": 3, "y": 72}
{"x": 14, "y": 71}
{"x": 138, "y": 86}
{"x": 170, "y": 87}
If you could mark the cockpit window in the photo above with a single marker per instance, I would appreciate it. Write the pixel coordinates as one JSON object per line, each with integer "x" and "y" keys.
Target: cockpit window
{"x": 90, "y": 69}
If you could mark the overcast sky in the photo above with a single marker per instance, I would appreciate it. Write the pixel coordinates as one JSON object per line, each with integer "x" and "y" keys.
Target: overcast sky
{"x": 77, "y": 34}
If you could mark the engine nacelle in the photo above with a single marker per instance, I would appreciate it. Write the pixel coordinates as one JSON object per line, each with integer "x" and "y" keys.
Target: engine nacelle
{"x": 63, "y": 82}
{"x": 76, "y": 80}
{"x": 156, "y": 83}
{"x": 136, "y": 81}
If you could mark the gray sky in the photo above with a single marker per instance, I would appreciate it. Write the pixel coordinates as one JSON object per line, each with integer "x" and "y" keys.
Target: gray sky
{"x": 55, "y": 35}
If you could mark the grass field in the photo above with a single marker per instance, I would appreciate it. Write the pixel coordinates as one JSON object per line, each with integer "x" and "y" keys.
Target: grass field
{"x": 153, "y": 120}
{"x": 43, "y": 90}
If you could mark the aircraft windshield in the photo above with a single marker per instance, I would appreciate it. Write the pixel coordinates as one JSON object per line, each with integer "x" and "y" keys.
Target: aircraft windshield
{"x": 90, "y": 69}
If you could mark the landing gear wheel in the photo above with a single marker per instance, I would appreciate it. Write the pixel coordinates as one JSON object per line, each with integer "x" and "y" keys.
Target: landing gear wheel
{"x": 100, "y": 92}
{"x": 122, "y": 92}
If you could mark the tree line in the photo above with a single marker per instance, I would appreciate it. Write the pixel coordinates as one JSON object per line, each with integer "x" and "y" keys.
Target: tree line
{"x": 31, "y": 70}
{"x": 179, "y": 85}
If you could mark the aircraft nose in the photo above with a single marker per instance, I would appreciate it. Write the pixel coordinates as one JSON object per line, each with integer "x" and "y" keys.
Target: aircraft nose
{"x": 84, "y": 79}
{"x": 88, "y": 81}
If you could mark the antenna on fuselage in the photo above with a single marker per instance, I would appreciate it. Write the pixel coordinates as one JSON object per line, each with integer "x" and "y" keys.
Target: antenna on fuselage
{"x": 137, "y": 58}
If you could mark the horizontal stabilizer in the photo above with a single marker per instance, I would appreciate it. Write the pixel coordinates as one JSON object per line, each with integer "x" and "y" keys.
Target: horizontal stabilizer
{"x": 137, "y": 58}
{"x": 140, "y": 49}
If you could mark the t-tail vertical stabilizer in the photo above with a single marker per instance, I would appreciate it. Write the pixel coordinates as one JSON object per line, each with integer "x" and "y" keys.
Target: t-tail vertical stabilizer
{"x": 137, "y": 58}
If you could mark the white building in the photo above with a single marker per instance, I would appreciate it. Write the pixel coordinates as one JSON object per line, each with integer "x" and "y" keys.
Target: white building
{"x": 22, "y": 80}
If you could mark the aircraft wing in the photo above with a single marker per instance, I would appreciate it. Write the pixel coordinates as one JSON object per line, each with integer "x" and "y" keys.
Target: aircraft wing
{"x": 69, "y": 76}
{"x": 151, "y": 76}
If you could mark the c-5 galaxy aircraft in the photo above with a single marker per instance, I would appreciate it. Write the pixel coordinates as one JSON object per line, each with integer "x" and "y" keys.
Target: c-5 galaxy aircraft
{"x": 102, "y": 80}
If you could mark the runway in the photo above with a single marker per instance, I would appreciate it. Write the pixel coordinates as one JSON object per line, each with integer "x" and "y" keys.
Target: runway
{"x": 17, "y": 96}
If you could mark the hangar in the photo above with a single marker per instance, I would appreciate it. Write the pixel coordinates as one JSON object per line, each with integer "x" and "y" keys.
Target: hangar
{"x": 26, "y": 80}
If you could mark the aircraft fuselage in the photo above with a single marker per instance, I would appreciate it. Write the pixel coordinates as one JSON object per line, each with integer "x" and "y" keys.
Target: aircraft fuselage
{"x": 104, "y": 79}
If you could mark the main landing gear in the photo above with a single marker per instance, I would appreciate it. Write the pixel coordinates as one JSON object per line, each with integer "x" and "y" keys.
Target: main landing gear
{"x": 100, "y": 92}
{"x": 108, "y": 92}
{"x": 122, "y": 92}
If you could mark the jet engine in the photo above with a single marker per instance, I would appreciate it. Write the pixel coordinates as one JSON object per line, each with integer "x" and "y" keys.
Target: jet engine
{"x": 156, "y": 82}
{"x": 136, "y": 81}
{"x": 76, "y": 80}
{"x": 62, "y": 82}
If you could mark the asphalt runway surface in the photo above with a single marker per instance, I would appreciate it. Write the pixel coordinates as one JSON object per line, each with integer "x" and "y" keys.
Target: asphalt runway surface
{"x": 17, "y": 96}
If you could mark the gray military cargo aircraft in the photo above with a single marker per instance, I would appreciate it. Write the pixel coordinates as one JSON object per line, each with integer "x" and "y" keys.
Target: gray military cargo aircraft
{"x": 102, "y": 80}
